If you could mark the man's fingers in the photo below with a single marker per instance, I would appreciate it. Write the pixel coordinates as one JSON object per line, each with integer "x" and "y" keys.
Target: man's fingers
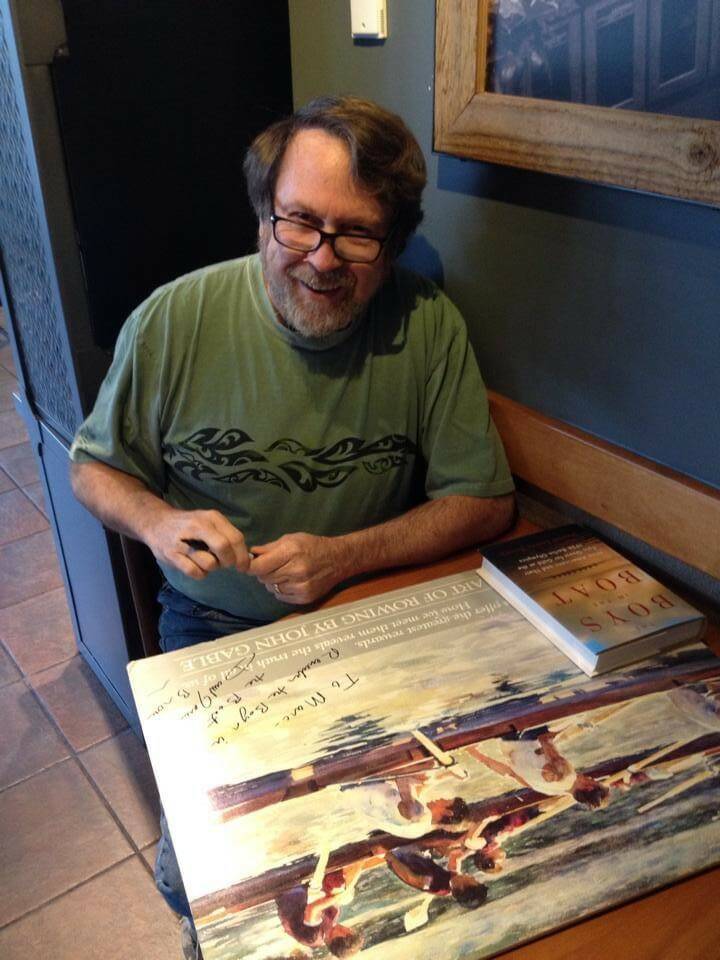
{"x": 203, "y": 557}
{"x": 186, "y": 565}
{"x": 267, "y": 560}
{"x": 229, "y": 551}
{"x": 198, "y": 542}
{"x": 263, "y": 548}
{"x": 287, "y": 592}
{"x": 214, "y": 533}
{"x": 267, "y": 572}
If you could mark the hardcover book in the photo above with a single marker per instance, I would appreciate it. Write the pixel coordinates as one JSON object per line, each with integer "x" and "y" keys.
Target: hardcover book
{"x": 421, "y": 774}
{"x": 596, "y": 606}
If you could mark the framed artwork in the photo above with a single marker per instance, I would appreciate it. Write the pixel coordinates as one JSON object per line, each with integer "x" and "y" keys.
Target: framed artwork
{"x": 623, "y": 92}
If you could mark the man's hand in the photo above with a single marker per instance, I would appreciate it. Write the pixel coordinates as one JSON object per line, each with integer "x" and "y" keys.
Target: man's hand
{"x": 299, "y": 567}
{"x": 176, "y": 537}
{"x": 179, "y": 538}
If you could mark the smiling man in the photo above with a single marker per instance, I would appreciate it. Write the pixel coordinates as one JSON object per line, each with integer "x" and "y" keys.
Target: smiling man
{"x": 313, "y": 289}
{"x": 276, "y": 425}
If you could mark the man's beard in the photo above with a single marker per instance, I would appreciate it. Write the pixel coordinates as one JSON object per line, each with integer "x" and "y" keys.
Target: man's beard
{"x": 310, "y": 319}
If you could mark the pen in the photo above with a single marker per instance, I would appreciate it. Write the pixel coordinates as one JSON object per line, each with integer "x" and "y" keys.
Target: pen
{"x": 195, "y": 544}
{"x": 198, "y": 545}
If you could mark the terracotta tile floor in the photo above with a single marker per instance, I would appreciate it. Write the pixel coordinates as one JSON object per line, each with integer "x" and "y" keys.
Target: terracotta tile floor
{"x": 78, "y": 805}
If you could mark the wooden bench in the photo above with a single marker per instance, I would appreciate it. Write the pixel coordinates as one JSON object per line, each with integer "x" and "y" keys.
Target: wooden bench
{"x": 663, "y": 508}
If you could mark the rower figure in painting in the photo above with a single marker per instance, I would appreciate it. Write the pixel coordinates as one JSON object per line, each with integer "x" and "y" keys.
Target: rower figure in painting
{"x": 313, "y": 919}
{"x": 485, "y": 843}
{"x": 482, "y": 841}
{"x": 422, "y": 872}
{"x": 398, "y": 806}
{"x": 538, "y": 764}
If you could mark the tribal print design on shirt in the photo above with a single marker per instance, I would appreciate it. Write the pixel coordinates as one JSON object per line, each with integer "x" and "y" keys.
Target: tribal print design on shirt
{"x": 231, "y": 456}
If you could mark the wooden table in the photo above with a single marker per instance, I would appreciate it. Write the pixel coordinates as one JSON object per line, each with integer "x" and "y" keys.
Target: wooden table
{"x": 680, "y": 922}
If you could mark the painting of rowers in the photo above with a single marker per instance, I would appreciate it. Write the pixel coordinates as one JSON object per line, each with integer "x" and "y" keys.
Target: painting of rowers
{"x": 434, "y": 798}
{"x": 435, "y": 843}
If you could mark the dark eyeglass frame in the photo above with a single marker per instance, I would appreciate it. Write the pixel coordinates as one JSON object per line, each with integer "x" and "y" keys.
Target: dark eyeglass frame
{"x": 325, "y": 237}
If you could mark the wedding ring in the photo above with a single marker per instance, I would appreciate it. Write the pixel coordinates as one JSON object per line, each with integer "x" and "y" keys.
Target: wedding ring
{"x": 276, "y": 588}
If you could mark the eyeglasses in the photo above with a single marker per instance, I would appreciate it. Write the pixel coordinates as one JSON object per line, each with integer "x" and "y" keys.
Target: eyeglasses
{"x": 351, "y": 247}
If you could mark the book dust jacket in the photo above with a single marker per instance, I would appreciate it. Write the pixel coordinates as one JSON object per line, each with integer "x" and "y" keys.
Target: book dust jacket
{"x": 602, "y": 598}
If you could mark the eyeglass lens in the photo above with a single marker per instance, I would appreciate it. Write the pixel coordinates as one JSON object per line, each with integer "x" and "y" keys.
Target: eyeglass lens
{"x": 299, "y": 236}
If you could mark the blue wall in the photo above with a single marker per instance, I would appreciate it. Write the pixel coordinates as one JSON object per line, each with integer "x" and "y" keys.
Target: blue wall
{"x": 591, "y": 304}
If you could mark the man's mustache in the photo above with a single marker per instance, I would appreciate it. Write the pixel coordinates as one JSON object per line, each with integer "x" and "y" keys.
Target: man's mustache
{"x": 329, "y": 280}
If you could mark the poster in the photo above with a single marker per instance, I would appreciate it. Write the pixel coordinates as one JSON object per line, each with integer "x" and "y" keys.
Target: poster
{"x": 423, "y": 773}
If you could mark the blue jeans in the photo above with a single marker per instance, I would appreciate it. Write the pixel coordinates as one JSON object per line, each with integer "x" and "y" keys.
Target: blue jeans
{"x": 183, "y": 622}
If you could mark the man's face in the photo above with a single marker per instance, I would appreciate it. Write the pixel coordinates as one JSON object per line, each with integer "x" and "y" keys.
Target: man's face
{"x": 316, "y": 293}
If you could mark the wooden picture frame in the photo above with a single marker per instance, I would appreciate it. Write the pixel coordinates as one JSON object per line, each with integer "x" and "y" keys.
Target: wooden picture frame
{"x": 670, "y": 155}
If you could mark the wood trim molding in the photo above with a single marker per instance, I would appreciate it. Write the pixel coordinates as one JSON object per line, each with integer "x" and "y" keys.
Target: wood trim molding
{"x": 667, "y": 510}
{"x": 676, "y": 156}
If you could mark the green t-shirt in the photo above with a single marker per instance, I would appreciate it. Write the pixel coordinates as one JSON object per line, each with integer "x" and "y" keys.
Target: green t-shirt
{"x": 214, "y": 404}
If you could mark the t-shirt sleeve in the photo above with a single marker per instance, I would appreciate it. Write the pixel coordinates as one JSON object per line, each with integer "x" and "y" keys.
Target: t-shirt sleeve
{"x": 461, "y": 446}
{"x": 123, "y": 429}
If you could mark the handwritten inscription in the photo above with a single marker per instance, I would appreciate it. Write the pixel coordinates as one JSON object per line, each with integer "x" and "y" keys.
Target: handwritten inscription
{"x": 270, "y": 679}
{"x": 318, "y": 698}
{"x": 211, "y": 699}
{"x": 183, "y": 693}
{"x": 237, "y": 708}
{"x": 203, "y": 700}
{"x": 310, "y": 701}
